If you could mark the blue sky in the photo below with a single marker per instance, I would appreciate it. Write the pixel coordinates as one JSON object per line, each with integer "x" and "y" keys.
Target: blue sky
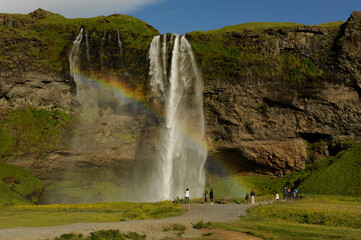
{"x": 181, "y": 16}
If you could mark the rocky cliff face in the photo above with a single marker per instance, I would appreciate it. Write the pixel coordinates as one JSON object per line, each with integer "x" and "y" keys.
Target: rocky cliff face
{"x": 274, "y": 98}
{"x": 284, "y": 113}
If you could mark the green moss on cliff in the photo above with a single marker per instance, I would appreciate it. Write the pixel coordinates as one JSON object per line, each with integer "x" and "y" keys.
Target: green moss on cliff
{"x": 18, "y": 186}
{"x": 29, "y": 130}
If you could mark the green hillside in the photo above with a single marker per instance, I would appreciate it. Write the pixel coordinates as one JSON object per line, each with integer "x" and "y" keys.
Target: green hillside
{"x": 338, "y": 175}
{"x": 19, "y": 186}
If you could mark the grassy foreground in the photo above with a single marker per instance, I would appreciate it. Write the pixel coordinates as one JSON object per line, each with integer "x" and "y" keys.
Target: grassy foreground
{"x": 56, "y": 215}
{"x": 326, "y": 217}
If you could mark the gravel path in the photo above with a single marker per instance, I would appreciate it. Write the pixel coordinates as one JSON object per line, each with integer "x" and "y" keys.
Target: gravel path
{"x": 152, "y": 228}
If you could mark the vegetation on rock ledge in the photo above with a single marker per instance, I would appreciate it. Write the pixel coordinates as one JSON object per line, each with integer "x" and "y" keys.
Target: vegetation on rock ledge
{"x": 30, "y": 130}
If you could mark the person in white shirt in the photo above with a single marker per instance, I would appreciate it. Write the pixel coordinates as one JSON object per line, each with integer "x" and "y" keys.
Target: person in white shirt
{"x": 186, "y": 196}
{"x": 277, "y": 197}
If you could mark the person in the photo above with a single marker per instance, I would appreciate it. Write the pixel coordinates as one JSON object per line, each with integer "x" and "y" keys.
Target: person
{"x": 277, "y": 197}
{"x": 187, "y": 196}
{"x": 211, "y": 196}
{"x": 284, "y": 193}
{"x": 295, "y": 191}
{"x": 205, "y": 197}
{"x": 247, "y": 197}
{"x": 253, "y": 197}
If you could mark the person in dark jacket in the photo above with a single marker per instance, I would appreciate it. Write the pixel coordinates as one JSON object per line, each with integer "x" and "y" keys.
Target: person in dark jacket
{"x": 211, "y": 196}
{"x": 284, "y": 193}
{"x": 253, "y": 197}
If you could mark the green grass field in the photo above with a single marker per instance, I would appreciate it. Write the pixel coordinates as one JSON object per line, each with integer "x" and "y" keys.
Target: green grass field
{"x": 63, "y": 214}
{"x": 316, "y": 217}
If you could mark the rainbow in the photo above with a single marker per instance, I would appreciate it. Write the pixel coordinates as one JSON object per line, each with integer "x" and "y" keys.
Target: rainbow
{"x": 136, "y": 97}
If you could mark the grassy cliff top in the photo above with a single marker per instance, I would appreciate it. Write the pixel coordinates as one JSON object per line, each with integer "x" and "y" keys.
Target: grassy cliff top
{"x": 255, "y": 26}
{"x": 40, "y": 41}
{"x": 259, "y": 26}
{"x": 117, "y": 22}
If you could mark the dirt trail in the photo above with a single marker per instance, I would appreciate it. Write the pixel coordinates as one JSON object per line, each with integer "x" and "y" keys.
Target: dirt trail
{"x": 153, "y": 229}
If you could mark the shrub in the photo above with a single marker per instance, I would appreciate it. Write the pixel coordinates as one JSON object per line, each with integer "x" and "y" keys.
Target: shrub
{"x": 103, "y": 235}
{"x": 70, "y": 236}
{"x": 201, "y": 224}
{"x": 107, "y": 234}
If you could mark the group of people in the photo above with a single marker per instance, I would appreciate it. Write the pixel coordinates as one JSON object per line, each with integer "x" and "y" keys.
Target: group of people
{"x": 187, "y": 195}
{"x": 249, "y": 197}
{"x": 288, "y": 192}
{"x": 253, "y": 197}
{"x": 210, "y": 196}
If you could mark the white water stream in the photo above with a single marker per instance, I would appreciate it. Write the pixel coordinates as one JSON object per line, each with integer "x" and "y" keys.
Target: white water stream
{"x": 181, "y": 151}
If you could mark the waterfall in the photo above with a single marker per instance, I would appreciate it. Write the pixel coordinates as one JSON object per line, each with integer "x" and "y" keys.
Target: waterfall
{"x": 173, "y": 155}
{"x": 120, "y": 44}
{"x": 87, "y": 47}
{"x": 181, "y": 150}
{"x": 156, "y": 68}
{"x": 86, "y": 94}
{"x": 73, "y": 56}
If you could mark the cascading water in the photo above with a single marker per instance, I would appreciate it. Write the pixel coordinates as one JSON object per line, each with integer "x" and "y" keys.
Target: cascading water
{"x": 172, "y": 157}
{"x": 73, "y": 56}
{"x": 87, "y": 47}
{"x": 87, "y": 95}
{"x": 88, "y": 98}
{"x": 181, "y": 151}
{"x": 120, "y": 44}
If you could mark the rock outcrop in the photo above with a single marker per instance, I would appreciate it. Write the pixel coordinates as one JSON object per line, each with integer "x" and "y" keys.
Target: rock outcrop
{"x": 35, "y": 89}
